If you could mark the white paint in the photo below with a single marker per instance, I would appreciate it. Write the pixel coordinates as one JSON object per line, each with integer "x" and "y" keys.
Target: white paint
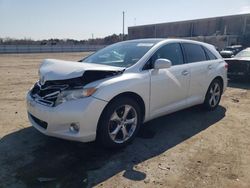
{"x": 162, "y": 90}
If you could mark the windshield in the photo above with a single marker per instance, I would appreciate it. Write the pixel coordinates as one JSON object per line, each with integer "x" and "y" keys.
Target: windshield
{"x": 244, "y": 53}
{"x": 124, "y": 54}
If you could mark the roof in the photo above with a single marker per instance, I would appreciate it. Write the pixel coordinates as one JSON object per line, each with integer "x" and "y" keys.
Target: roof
{"x": 157, "y": 40}
{"x": 149, "y": 40}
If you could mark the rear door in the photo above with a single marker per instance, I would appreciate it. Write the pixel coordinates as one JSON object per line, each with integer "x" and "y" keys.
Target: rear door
{"x": 202, "y": 64}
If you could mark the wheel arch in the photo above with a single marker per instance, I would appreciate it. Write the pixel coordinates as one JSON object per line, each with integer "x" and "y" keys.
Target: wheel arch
{"x": 207, "y": 106}
{"x": 220, "y": 79}
{"x": 215, "y": 78}
{"x": 128, "y": 94}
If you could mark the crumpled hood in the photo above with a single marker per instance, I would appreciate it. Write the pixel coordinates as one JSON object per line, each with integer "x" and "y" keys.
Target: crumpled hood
{"x": 52, "y": 69}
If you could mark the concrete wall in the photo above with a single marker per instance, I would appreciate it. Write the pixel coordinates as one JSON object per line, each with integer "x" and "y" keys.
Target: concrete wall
{"x": 43, "y": 49}
{"x": 236, "y": 25}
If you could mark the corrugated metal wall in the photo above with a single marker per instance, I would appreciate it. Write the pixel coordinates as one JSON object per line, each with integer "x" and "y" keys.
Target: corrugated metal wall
{"x": 227, "y": 25}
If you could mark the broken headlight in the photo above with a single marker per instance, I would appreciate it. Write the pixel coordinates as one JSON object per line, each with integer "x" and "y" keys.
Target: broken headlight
{"x": 68, "y": 95}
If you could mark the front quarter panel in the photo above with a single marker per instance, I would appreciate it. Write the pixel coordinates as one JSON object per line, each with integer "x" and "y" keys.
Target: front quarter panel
{"x": 138, "y": 83}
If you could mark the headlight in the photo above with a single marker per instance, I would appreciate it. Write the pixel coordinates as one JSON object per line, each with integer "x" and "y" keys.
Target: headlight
{"x": 69, "y": 95}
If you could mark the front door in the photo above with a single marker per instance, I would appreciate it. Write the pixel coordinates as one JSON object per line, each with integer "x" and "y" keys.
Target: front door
{"x": 169, "y": 87}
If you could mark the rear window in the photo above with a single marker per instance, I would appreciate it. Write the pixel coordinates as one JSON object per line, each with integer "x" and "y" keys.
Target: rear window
{"x": 210, "y": 55}
{"x": 244, "y": 53}
{"x": 194, "y": 53}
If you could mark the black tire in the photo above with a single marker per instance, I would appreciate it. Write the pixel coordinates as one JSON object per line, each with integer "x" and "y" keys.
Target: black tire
{"x": 103, "y": 129}
{"x": 207, "y": 104}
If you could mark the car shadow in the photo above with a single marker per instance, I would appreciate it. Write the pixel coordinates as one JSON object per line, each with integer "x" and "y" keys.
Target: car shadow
{"x": 40, "y": 161}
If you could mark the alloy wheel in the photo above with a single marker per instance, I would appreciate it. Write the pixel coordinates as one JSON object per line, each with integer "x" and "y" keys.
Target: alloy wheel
{"x": 123, "y": 123}
{"x": 215, "y": 92}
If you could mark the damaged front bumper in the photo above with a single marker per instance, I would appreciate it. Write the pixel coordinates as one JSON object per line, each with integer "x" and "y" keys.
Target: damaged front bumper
{"x": 57, "y": 121}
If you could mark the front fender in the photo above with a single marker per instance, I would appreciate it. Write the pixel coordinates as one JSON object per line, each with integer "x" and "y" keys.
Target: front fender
{"x": 138, "y": 83}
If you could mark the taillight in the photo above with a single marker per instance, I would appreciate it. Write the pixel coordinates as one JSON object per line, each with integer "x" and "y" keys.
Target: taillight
{"x": 226, "y": 66}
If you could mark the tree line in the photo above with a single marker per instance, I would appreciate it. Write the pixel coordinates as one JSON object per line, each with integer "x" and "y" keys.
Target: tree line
{"x": 95, "y": 41}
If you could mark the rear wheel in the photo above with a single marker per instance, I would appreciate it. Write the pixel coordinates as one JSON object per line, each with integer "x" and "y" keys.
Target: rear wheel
{"x": 213, "y": 95}
{"x": 119, "y": 123}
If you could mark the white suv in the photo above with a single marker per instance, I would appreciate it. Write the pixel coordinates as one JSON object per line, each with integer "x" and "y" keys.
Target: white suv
{"x": 109, "y": 94}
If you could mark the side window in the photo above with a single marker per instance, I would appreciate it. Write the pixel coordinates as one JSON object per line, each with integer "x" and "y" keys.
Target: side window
{"x": 170, "y": 51}
{"x": 210, "y": 55}
{"x": 194, "y": 53}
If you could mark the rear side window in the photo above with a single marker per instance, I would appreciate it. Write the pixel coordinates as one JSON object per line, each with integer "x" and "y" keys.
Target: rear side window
{"x": 172, "y": 52}
{"x": 210, "y": 55}
{"x": 194, "y": 53}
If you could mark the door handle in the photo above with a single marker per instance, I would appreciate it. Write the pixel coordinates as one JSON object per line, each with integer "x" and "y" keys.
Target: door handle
{"x": 185, "y": 73}
{"x": 209, "y": 67}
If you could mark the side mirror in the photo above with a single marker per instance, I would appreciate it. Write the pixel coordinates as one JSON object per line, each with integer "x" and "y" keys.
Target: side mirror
{"x": 162, "y": 64}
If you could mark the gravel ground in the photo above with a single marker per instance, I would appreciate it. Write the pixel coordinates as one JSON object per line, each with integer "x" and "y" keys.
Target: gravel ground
{"x": 190, "y": 148}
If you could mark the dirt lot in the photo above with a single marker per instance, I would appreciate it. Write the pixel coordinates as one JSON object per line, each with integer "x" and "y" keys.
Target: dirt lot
{"x": 191, "y": 148}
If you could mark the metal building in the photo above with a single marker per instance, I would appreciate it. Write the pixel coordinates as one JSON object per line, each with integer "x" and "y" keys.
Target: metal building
{"x": 220, "y": 31}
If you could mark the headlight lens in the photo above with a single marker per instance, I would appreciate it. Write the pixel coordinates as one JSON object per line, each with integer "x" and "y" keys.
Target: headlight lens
{"x": 69, "y": 95}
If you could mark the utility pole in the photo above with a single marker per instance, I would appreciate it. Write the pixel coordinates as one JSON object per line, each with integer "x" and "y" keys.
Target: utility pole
{"x": 123, "y": 18}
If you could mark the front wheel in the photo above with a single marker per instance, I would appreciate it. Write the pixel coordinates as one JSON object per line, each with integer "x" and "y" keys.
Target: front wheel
{"x": 119, "y": 123}
{"x": 213, "y": 95}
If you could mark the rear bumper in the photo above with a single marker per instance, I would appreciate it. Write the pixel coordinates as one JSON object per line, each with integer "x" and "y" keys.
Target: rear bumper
{"x": 237, "y": 74}
{"x": 238, "y": 68}
{"x": 55, "y": 121}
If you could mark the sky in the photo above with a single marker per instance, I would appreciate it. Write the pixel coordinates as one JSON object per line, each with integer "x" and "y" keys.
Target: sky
{"x": 79, "y": 19}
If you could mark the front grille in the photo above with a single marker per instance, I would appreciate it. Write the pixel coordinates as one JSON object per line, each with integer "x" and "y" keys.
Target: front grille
{"x": 47, "y": 94}
{"x": 39, "y": 122}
